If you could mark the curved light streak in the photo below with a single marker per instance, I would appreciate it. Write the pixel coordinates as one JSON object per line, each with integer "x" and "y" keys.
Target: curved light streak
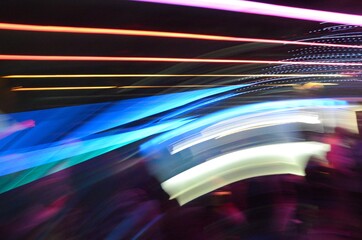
{"x": 285, "y": 158}
{"x": 267, "y": 9}
{"x": 169, "y": 75}
{"x": 145, "y": 33}
{"x": 230, "y": 113}
{"x": 248, "y": 124}
{"x": 160, "y": 59}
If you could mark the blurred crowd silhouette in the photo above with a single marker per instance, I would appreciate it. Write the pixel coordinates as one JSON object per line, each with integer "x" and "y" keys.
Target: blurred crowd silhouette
{"x": 130, "y": 204}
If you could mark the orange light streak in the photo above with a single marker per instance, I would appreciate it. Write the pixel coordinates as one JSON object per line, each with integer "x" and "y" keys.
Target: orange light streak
{"x": 16, "y": 89}
{"x": 159, "y": 59}
{"x": 145, "y": 33}
{"x": 169, "y": 75}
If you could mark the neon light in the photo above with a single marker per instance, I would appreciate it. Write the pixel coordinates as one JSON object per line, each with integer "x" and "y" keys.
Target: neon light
{"x": 159, "y": 59}
{"x": 285, "y": 158}
{"x": 170, "y": 75}
{"x": 17, "y": 89}
{"x": 267, "y": 9}
{"x": 127, "y": 32}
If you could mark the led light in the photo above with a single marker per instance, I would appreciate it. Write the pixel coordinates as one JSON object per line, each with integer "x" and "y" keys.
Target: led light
{"x": 267, "y": 9}
{"x": 127, "y": 32}
{"x": 159, "y": 59}
{"x": 285, "y": 158}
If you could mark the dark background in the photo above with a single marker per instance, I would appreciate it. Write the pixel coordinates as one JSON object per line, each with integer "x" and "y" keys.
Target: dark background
{"x": 127, "y": 15}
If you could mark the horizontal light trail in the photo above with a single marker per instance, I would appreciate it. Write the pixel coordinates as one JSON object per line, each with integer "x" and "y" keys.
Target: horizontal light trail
{"x": 17, "y": 89}
{"x": 170, "y": 75}
{"x": 178, "y": 86}
{"x": 268, "y": 9}
{"x": 145, "y": 33}
{"x": 22, "y": 89}
{"x": 160, "y": 59}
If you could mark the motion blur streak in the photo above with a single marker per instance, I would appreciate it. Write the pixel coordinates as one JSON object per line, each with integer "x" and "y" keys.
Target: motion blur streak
{"x": 171, "y": 75}
{"x": 61, "y": 88}
{"x": 252, "y": 123}
{"x": 19, "y": 89}
{"x": 127, "y": 32}
{"x": 160, "y": 59}
{"x": 285, "y": 158}
{"x": 72, "y": 153}
{"x": 268, "y": 9}
{"x": 33, "y": 154}
{"x": 95, "y": 118}
{"x": 4, "y": 132}
{"x": 230, "y": 113}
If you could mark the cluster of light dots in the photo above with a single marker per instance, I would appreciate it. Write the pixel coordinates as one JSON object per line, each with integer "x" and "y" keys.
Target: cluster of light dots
{"x": 331, "y": 34}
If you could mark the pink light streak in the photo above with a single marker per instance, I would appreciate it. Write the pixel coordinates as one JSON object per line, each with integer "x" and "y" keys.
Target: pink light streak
{"x": 160, "y": 59}
{"x": 17, "y": 127}
{"x": 267, "y": 9}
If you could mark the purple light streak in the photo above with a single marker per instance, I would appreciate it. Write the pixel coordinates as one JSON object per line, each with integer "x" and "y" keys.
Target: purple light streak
{"x": 267, "y": 9}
